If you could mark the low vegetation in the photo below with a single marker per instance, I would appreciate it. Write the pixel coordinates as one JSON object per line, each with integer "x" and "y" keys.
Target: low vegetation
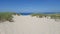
{"x": 39, "y": 15}
{"x": 53, "y": 16}
{"x": 6, "y": 16}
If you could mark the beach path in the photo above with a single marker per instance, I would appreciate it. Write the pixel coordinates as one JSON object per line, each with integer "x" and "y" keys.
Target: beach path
{"x": 30, "y": 25}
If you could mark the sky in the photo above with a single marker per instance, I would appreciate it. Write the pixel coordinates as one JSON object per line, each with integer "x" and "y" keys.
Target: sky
{"x": 35, "y": 6}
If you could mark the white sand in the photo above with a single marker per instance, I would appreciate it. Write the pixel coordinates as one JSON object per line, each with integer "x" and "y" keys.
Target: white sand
{"x": 30, "y": 25}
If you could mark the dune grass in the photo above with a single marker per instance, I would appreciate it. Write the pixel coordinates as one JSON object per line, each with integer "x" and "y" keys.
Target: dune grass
{"x": 38, "y": 15}
{"x": 7, "y": 16}
{"x": 53, "y": 16}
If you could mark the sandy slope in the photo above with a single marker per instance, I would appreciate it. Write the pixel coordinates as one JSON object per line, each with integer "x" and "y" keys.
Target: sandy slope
{"x": 30, "y": 25}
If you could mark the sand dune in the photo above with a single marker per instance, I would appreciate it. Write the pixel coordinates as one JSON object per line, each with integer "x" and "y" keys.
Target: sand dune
{"x": 30, "y": 25}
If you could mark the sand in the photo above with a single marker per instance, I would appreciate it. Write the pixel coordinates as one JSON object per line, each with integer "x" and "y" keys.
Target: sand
{"x": 30, "y": 25}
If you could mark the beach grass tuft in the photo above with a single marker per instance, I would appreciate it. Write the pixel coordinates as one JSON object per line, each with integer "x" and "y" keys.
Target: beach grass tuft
{"x": 53, "y": 16}
{"x": 7, "y": 16}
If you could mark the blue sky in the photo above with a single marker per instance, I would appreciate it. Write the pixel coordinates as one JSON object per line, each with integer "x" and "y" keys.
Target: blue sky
{"x": 30, "y": 5}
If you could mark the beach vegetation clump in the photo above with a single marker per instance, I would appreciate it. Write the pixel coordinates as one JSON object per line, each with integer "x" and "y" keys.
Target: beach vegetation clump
{"x": 6, "y": 16}
{"x": 53, "y": 16}
{"x": 39, "y": 15}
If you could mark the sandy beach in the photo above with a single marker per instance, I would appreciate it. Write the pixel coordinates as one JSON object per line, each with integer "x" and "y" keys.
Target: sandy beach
{"x": 30, "y": 25}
